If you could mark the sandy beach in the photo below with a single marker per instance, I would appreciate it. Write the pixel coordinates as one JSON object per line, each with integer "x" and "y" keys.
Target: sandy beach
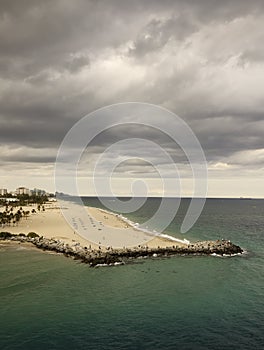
{"x": 87, "y": 226}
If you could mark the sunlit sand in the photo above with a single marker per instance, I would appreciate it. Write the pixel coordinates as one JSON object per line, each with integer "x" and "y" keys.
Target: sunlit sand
{"x": 92, "y": 227}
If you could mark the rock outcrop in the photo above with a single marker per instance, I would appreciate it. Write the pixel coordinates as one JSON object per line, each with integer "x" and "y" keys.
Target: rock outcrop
{"x": 122, "y": 256}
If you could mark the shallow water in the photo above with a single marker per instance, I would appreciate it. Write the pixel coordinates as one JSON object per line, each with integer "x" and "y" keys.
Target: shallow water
{"x": 51, "y": 302}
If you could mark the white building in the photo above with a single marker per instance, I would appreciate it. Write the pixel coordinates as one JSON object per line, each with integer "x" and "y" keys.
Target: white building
{"x": 3, "y": 191}
{"x": 22, "y": 190}
{"x": 11, "y": 199}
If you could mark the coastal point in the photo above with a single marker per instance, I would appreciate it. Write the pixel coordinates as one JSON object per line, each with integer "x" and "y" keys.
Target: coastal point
{"x": 109, "y": 239}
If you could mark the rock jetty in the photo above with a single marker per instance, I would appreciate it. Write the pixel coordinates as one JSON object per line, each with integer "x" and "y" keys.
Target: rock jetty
{"x": 121, "y": 256}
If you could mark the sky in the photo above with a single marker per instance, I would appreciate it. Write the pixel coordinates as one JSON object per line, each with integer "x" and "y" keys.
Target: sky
{"x": 202, "y": 60}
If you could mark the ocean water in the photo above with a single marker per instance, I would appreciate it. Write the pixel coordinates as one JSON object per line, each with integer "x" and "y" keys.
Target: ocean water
{"x": 50, "y": 302}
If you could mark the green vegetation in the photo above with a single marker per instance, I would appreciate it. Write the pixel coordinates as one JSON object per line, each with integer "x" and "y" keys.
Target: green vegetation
{"x": 8, "y": 235}
{"x": 5, "y": 235}
{"x": 8, "y": 217}
{"x": 32, "y": 235}
{"x": 25, "y": 199}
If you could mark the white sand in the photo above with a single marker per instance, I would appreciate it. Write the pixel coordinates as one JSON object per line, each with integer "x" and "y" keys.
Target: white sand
{"x": 95, "y": 228}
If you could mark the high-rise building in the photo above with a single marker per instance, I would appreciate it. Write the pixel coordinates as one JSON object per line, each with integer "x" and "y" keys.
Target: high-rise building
{"x": 38, "y": 192}
{"x": 3, "y": 191}
{"x": 22, "y": 190}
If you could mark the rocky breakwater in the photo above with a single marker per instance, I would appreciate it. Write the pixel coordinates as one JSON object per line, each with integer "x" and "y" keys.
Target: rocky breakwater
{"x": 111, "y": 256}
{"x": 219, "y": 247}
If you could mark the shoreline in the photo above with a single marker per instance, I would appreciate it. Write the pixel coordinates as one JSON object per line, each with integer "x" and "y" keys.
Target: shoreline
{"x": 109, "y": 237}
{"x": 137, "y": 227}
{"x": 93, "y": 227}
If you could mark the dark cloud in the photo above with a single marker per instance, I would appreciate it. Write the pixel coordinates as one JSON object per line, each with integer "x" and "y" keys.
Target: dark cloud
{"x": 158, "y": 32}
{"x": 201, "y": 59}
{"x": 29, "y": 159}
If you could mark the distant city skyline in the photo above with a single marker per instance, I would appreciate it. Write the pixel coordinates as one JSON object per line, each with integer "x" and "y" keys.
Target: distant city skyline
{"x": 22, "y": 190}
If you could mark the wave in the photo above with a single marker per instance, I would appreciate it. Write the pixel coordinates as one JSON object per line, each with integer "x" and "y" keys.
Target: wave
{"x": 229, "y": 255}
{"x": 137, "y": 226}
{"x": 107, "y": 265}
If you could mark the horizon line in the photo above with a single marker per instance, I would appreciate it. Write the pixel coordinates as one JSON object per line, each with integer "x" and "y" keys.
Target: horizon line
{"x": 179, "y": 197}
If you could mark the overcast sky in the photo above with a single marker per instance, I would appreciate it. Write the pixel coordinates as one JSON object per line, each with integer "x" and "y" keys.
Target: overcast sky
{"x": 202, "y": 60}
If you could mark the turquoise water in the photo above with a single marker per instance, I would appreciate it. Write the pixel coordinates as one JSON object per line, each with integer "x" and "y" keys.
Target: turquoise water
{"x": 51, "y": 302}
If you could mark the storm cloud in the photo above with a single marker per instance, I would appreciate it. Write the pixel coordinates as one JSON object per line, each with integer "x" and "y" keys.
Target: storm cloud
{"x": 203, "y": 60}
